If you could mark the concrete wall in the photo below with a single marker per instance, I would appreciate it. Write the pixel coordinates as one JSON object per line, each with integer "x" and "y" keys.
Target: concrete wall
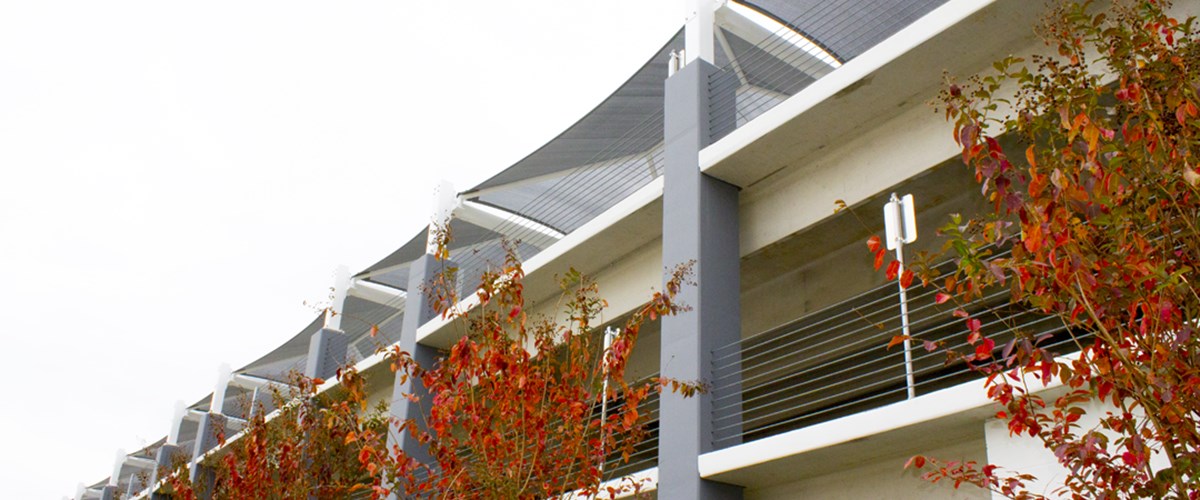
{"x": 879, "y": 477}
{"x": 828, "y": 262}
{"x": 874, "y": 159}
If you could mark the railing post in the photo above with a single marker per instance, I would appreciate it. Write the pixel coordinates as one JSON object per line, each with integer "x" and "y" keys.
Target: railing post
{"x": 900, "y": 221}
{"x": 700, "y": 224}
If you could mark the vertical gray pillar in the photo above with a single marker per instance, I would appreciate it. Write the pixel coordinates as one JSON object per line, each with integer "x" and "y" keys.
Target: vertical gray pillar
{"x": 202, "y": 476}
{"x": 136, "y": 484}
{"x": 700, "y": 224}
{"x": 417, "y": 311}
{"x": 326, "y": 353}
{"x": 165, "y": 459}
{"x": 108, "y": 493}
{"x": 262, "y": 402}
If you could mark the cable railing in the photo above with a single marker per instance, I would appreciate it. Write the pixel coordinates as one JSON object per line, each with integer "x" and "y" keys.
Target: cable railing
{"x": 759, "y": 77}
{"x": 834, "y": 362}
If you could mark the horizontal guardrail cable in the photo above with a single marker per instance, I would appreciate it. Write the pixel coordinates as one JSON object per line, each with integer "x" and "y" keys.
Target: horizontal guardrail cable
{"x": 797, "y": 339}
{"x": 833, "y": 362}
{"x": 863, "y": 322}
{"x": 890, "y": 364}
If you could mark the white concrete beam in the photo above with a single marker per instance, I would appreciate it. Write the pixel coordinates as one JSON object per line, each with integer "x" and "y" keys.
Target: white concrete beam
{"x": 507, "y": 223}
{"x": 252, "y": 382}
{"x": 196, "y": 415}
{"x": 379, "y": 294}
{"x": 140, "y": 463}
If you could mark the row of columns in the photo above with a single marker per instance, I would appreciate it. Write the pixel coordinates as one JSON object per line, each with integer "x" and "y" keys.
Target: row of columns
{"x": 700, "y": 225}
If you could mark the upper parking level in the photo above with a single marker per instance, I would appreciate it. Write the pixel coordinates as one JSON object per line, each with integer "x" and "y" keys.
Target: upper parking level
{"x": 828, "y": 102}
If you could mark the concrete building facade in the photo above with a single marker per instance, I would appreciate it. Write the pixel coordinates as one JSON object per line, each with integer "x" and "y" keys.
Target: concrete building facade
{"x": 731, "y": 147}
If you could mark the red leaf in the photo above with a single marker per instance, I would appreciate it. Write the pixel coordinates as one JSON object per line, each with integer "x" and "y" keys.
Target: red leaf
{"x": 984, "y": 350}
{"x": 874, "y": 244}
{"x": 974, "y": 325}
{"x": 1037, "y": 184}
{"x": 916, "y": 461}
{"x": 973, "y": 337}
{"x": 959, "y": 313}
{"x": 879, "y": 259}
{"x": 893, "y": 269}
{"x": 899, "y": 339}
{"x": 941, "y": 298}
{"x": 906, "y": 278}
{"x": 1032, "y": 238}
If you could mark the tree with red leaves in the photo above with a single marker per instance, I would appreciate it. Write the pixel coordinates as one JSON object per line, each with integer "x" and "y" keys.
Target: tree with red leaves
{"x": 516, "y": 403}
{"x": 519, "y": 407}
{"x": 1100, "y": 212}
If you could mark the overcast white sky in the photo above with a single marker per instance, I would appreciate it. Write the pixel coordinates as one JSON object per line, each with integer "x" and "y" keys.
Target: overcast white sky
{"x": 177, "y": 179}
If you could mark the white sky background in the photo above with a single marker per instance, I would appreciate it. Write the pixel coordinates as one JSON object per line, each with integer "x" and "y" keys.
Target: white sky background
{"x": 177, "y": 179}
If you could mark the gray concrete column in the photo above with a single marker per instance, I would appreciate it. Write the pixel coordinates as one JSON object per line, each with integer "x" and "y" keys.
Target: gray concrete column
{"x": 326, "y": 353}
{"x": 700, "y": 224}
{"x": 108, "y": 493}
{"x": 262, "y": 401}
{"x": 417, "y": 311}
{"x": 165, "y": 459}
{"x": 204, "y": 477}
{"x": 136, "y": 484}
